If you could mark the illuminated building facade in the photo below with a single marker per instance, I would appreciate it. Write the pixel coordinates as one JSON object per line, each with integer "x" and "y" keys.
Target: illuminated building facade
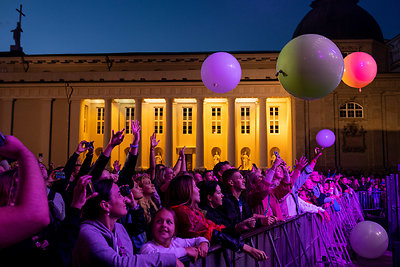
{"x": 51, "y": 102}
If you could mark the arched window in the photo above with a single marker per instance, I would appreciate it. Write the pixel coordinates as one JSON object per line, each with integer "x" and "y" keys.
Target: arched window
{"x": 351, "y": 110}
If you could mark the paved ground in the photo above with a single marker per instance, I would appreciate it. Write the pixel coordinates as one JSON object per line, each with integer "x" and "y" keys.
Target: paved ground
{"x": 384, "y": 261}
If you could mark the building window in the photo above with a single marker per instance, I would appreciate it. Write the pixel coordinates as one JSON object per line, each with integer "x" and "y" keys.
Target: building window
{"x": 129, "y": 115}
{"x": 216, "y": 120}
{"x": 85, "y": 118}
{"x": 245, "y": 120}
{"x": 274, "y": 120}
{"x": 187, "y": 120}
{"x": 100, "y": 121}
{"x": 158, "y": 120}
{"x": 351, "y": 110}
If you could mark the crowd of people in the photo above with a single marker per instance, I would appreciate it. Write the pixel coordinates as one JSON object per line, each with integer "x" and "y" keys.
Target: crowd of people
{"x": 89, "y": 214}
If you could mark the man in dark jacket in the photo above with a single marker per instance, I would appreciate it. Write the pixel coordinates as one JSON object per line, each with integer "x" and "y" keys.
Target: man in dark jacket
{"x": 235, "y": 207}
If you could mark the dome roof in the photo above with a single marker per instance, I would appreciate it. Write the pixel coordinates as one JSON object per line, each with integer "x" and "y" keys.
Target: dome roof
{"x": 339, "y": 19}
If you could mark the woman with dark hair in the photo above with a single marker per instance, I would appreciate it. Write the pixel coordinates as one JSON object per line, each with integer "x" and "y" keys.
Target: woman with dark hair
{"x": 210, "y": 199}
{"x": 104, "y": 242}
{"x": 183, "y": 197}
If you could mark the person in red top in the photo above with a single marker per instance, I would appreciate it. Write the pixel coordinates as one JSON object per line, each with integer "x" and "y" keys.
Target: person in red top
{"x": 183, "y": 197}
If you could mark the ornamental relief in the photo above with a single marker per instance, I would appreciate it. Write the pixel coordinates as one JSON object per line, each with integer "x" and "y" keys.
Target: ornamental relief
{"x": 354, "y": 138}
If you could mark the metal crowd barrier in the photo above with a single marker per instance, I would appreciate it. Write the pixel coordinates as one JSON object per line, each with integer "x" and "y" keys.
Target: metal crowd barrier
{"x": 304, "y": 240}
{"x": 393, "y": 215}
{"x": 370, "y": 200}
{"x": 335, "y": 234}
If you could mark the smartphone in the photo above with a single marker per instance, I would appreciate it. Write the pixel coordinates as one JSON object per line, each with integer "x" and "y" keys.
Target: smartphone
{"x": 90, "y": 188}
{"x": 89, "y": 144}
{"x": 2, "y": 139}
{"x": 60, "y": 175}
{"x": 276, "y": 154}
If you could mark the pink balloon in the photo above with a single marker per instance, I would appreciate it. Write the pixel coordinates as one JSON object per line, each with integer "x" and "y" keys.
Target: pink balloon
{"x": 221, "y": 72}
{"x": 359, "y": 69}
{"x": 325, "y": 138}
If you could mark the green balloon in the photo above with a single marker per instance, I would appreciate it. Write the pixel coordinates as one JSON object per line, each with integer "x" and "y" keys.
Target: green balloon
{"x": 310, "y": 66}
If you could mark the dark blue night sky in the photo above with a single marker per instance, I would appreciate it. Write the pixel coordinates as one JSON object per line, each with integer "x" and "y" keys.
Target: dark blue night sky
{"x": 116, "y": 26}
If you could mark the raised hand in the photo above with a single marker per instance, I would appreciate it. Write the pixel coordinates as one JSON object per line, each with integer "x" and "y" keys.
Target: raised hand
{"x": 285, "y": 168}
{"x": 80, "y": 194}
{"x": 153, "y": 140}
{"x": 135, "y": 132}
{"x": 117, "y": 166}
{"x": 301, "y": 163}
{"x": 81, "y": 147}
{"x": 318, "y": 151}
{"x": 278, "y": 161}
{"x": 130, "y": 200}
{"x": 182, "y": 152}
{"x": 117, "y": 138}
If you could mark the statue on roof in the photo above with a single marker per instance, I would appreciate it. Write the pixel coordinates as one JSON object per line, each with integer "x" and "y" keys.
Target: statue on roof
{"x": 17, "y": 32}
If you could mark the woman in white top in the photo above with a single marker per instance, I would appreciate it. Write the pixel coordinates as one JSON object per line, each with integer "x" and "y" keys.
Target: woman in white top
{"x": 165, "y": 241}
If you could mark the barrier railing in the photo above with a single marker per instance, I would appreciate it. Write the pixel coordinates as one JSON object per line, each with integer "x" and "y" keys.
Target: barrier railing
{"x": 393, "y": 215}
{"x": 335, "y": 234}
{"x": 304, "y": 240}
{"x": 372, "y": 200}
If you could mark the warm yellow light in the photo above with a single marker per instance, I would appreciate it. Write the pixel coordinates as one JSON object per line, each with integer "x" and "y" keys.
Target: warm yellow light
{"x": 154, "y": 100}
{"x": 215, "y": 100}
{"x": 185, "y": 100}
{"x": 278, "y": 100}
{"x": 246, "y": 100}
{"x": 95, "y": 101}
{"x": 125, "y": 101}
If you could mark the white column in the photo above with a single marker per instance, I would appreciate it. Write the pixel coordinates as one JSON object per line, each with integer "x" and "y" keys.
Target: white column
{"x": 107, "y": 122}
{"x": 231, "y": 131}
{"x": 138, "y": 116}
{"x": 169, "y": 133}
{"x": 263, "y": 149}
{"x": 200, "y": 134}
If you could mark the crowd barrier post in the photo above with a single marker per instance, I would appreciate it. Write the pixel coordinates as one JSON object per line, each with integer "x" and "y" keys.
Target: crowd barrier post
{"x": 296, "y": 227}
{"x": 393, "y": 207}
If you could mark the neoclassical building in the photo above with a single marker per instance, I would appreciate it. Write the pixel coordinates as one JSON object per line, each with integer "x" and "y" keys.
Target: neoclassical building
{"x": 51, "y": 102}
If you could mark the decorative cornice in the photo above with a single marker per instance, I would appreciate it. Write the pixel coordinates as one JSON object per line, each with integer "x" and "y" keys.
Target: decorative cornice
{"x": 134, "y": 58}
{"x": 134, "y": 90}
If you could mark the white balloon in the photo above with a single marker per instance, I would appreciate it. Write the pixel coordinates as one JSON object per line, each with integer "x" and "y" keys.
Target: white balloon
{"x": 369, "y": 239}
